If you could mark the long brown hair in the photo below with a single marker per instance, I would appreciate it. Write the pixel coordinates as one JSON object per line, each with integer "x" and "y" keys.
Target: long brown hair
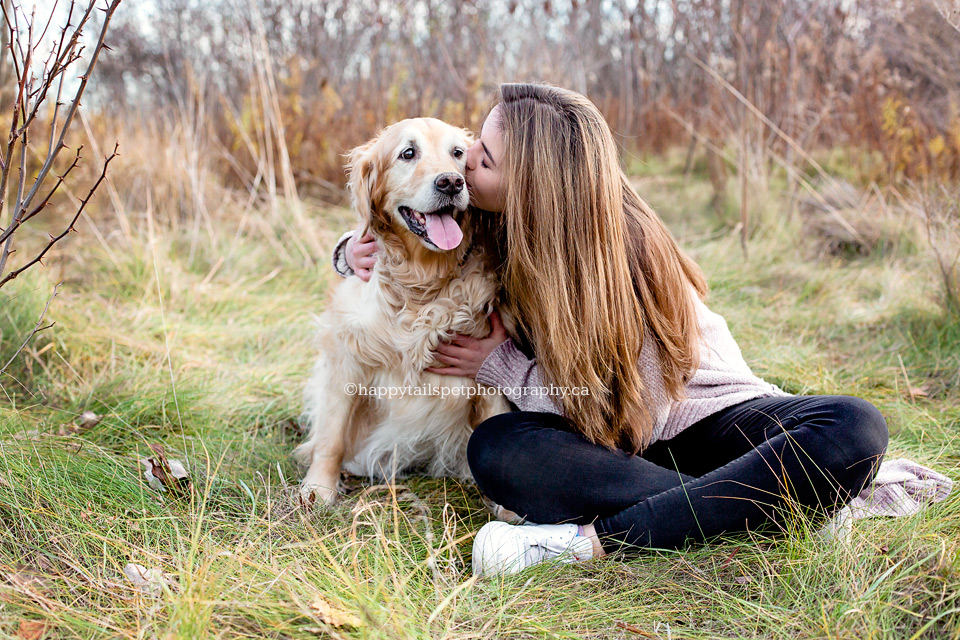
{"x": 590, "y": 269}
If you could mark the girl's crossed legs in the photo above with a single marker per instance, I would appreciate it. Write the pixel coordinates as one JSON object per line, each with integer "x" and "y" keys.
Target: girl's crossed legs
{"x": 732, "y": 471}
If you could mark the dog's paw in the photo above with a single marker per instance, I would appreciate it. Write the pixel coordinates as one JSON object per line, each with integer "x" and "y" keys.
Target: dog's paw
{"x": 311, "y": 495}
{"x": 505, "y": 515}
{"x": 501, "y": 513}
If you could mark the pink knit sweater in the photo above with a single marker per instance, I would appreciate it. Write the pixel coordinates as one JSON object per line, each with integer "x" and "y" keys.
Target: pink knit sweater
{"x": 722, "y": 380}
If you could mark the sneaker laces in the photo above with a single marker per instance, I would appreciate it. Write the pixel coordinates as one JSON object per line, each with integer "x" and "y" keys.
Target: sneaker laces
{"x": 538, "y": 549}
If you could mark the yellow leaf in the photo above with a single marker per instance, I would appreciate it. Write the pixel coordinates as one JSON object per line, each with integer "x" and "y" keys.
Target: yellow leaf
{"x": 937, "y": 145}
{"x": 334, "y": 616}
{"x": 334, "y": 103}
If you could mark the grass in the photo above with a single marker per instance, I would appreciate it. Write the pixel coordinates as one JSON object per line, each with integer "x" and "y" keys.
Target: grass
{"x": 206, "y": 353}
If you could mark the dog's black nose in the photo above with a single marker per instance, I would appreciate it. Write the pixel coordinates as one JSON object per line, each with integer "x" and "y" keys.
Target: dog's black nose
{"x": 449, "y": 183}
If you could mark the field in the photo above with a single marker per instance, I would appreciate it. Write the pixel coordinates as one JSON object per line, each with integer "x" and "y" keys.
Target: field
{"x": 201, "y": 343}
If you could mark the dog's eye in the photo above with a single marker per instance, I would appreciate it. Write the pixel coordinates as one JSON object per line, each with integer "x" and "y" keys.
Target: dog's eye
{"x": 408, "y": 154}
{"x": 458, "y": 153}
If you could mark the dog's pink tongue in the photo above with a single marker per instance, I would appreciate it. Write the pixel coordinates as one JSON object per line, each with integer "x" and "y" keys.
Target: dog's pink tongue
{"x": 443, "y": 230}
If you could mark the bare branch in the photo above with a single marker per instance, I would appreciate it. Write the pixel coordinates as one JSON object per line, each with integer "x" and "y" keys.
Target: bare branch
{"x": 20, "y": 220}
{"x": 8, "y": 245}
{"x": 32, "y": 91}
{"x": 85, "y": 78}
{"x": 56, "y": 239}
{"x": 53, "y": 12}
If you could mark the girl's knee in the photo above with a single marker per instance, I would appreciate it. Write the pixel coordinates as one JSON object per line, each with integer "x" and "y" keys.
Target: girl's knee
{"x": 485, "y": 447}
{"x": 507, "y": 452}
{"x": 866, "y": 434}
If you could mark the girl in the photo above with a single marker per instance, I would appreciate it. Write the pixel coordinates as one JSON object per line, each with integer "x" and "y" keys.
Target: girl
{"x": 657, "y": 431}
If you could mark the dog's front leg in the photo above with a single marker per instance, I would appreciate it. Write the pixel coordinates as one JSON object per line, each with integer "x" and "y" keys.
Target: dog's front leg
{"x": 327, "y": 409}
{"x": 323, "y": 476}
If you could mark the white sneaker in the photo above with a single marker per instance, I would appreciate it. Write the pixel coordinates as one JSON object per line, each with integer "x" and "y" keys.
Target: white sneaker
{"x": 838, "y": 528}
{"x": 501, "y": 548}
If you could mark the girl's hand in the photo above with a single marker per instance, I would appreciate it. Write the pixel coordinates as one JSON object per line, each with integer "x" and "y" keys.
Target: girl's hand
{"x": 361, "y": 255}
{"x": 463, "y": 355}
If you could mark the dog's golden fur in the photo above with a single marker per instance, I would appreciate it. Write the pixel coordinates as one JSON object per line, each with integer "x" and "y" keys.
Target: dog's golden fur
{"x": 382, "y": 333}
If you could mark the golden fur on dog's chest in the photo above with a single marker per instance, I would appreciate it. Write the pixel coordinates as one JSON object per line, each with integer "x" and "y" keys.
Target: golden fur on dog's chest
{"x": 384, "y": 327}
{"x": 371, "y": 343}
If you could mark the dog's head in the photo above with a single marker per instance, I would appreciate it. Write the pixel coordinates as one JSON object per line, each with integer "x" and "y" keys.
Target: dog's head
{"x": 408, "y": 181}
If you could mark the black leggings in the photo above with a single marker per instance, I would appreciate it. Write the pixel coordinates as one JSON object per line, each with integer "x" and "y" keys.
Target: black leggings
{"x": 735, "y": 470}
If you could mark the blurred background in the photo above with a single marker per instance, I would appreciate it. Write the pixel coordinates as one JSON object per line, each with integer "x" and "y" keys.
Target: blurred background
{"x": 878, "y": 79}
{"x": 293, "y": 84}
{"x": 817, "y": 104}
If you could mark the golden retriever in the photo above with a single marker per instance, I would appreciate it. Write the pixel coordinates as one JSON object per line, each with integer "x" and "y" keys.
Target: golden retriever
{"x": 369, "y": 406}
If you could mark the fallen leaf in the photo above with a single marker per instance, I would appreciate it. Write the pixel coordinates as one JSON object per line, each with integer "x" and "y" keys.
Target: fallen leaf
{"x": 88, "y": 420}
{"x": 917, "y": 392}
{"x": 32, "y": 629}
{"x": 148, "y": 581}
{"x": 163, "y": 474}
{"x": 334, "y": 616}
{"x": 637, "y": 630}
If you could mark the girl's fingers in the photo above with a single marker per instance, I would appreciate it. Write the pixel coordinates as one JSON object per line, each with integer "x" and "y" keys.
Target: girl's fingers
{"x": 447, "y": 359}
{"x": 365, "y": 249}
{"x": 365, "y": 262}
{"x": 450, "y": 349}
{"x": 496, "y": 326}
{"x": 461, "y": 340}
{"x": 446, "y": 371}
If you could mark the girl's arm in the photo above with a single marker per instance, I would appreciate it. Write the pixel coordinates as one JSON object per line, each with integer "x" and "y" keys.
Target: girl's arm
{"x": 340, "y": 256}
{"x": 355, "y": 257}
{"x": 518, "y": 378}
{"x": 496, "y": 361}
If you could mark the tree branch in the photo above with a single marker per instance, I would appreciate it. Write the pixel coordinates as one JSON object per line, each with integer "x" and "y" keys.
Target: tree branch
{"x": 20, "y": 220}
{"x": 54, "y": 240}
{"x": 48, "y": 164}
{"x": 33, "y": 88}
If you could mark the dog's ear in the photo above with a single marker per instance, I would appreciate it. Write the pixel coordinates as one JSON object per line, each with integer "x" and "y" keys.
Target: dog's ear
{"x": 362, "y": 178}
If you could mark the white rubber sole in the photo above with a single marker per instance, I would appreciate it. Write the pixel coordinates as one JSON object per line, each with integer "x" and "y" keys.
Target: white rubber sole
{"x": 497, "y": 550}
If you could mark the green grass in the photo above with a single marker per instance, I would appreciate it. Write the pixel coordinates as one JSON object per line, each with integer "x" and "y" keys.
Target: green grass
{"x": 208, "y": 357}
